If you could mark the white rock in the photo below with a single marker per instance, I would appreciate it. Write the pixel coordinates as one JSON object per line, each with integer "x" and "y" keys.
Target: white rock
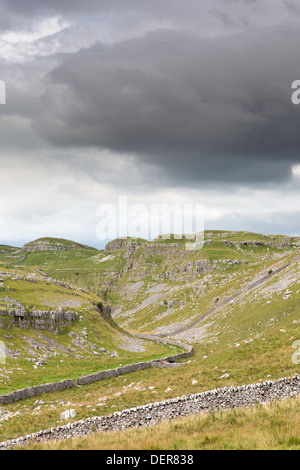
{"x": 224, "y": 376}
{"x": 68, "y": 414}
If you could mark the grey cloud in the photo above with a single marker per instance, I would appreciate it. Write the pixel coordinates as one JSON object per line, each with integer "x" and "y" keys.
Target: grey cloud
{"x": 292, "y": 6}
{"x": 199, "y": 115}
{"x": 18, "y": 12}
{"x": 188, "y": 15}
{"x": 69, "y": 8}
{"x": 223, "y": 17}
{"x": 199, "y": 109}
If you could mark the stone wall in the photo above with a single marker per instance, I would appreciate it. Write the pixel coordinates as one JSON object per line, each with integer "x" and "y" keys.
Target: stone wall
{"x": 153, "y": 413}
{"x": 37, "y": 390}
{"x": 110, "y": 373}
{"x": 105, "y": 374}
{"x": 139, "y": 365}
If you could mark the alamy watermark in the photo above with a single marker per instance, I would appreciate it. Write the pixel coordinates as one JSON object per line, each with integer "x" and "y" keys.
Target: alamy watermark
{"x": 296, "y": 354}
{"x": 2, "y": 92}
{"x": 164, "y": 221}
{"x": 2, "y": 353}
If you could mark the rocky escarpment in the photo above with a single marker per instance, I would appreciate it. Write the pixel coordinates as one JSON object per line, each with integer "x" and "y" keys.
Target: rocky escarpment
{"x": 124, "y": 243}
{"x": 44, "y": 246}
{"x": 53, "y": 321}
{"x": 153, "y": 413}
{"x": 52, "y": 245}
{"x": 157, "y": 259}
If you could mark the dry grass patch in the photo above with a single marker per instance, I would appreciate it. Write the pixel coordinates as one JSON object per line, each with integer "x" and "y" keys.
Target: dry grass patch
{"x": 275, "y": 426}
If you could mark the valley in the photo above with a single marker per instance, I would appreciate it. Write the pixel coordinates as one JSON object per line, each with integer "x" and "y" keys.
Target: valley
{"x": 68, "y": 310}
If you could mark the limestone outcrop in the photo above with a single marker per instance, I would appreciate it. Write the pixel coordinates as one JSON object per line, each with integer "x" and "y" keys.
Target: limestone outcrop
{"x": 52, "y": 245}
{"x": 121, "y": 244}
{"x": 53, "y": 321}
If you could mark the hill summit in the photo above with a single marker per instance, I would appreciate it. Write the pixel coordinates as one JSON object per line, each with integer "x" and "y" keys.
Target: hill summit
{"x": 52, "y": 244}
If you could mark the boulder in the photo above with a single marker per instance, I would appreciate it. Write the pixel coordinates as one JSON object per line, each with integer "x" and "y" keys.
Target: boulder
{"x": 68, "y": 414}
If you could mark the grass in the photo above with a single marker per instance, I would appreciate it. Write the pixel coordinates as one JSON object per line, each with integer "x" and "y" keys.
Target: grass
{"x": 250, "y": 340}
{"x": 65, "y": 358}
{"x": 62, "y": 241}
{"x": 250, "y": 363}
{"x": 57, "y": 369}
{"x": 275, "y": 426}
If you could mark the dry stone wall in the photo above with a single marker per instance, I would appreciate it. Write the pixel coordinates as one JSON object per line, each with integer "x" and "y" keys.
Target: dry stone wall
{"x": 105, "y": 374}
{"x": 139, "y": 365}
{"x": 37, "y": 390}
{"x": 153, "y": 413}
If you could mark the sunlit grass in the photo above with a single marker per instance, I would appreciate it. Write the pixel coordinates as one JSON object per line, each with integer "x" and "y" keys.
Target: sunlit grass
{"x": 275, "y": 426}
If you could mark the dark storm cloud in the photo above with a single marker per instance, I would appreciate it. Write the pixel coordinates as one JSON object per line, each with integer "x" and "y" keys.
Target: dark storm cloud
{"x": 30, "y": 8}
{"x": 66, "y": 6}
{"x": 202, "y": 108}
{"x": 16, "y": 12}
{"x": 199, "y": 109}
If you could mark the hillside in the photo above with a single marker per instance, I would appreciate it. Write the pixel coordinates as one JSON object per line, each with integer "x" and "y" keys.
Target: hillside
{"x": 54, "y": 244}
{"x": 53, "y": 330}
{"x": 244, "y": 429}
{"x": 236, "y": 301}
{"x": 162, "y": 288}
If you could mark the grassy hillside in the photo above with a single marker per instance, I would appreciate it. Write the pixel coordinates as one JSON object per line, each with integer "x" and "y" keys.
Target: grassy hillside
{"x": 37, "y": 355}
{"x": 53, "y": 241}
{"x": 269, "y": 427}
{"x": 228, "y": 300}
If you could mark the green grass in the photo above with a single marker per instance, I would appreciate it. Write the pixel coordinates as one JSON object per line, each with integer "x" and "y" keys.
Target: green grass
{"x": 65, "y": 359}
{"x": 249, "y": 363}
{"x": 264, "y": 427}
{"x": 242, "y": 340}
{"x": 63, "y": 241}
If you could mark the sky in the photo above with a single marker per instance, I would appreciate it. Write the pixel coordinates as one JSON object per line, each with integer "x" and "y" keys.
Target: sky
{"x": 167, "y": 102}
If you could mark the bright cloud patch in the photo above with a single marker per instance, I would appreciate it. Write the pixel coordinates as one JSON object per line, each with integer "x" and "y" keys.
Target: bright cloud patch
{"x": 296, "y": 171}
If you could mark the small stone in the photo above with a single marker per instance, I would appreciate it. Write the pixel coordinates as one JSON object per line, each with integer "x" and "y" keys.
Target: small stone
{"x": 224, "y": 376}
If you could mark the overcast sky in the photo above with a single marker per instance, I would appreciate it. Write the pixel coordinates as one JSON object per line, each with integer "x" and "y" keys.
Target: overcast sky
{"x": 160, "y": 101}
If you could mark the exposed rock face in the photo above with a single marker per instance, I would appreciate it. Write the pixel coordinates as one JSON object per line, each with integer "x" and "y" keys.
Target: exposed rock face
{"x": 123, "y": 243}
{"x": 51, "y": 245}
{"x": 47, "y": 246}
{"x": 53, "y": 321}
{"x": 198, "y": 266}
